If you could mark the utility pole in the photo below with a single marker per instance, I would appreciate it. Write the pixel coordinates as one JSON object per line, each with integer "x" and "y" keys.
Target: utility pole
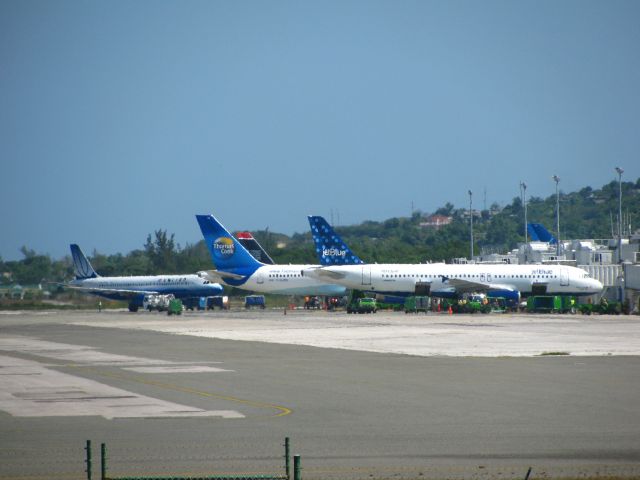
{"x": 471, "y": 220}
{"x": 620, "y": 172}
{"x": 523, "y": 187}
{"x": 557, "y": 180}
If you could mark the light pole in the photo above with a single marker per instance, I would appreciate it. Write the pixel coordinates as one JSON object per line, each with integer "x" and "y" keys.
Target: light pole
{"x": 523, "y": 186}
{"x": 557, "y": 180}
{"x": 620, "y": 172}
{"x": 471, "y": 221}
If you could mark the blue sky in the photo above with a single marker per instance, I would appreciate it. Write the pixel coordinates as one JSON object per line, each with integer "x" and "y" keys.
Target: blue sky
{"x": 120, "y": 118}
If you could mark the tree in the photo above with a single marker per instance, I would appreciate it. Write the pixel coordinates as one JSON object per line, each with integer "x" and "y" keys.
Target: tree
{"x": 162, "y": 252}
{"x": 447, "y": 210}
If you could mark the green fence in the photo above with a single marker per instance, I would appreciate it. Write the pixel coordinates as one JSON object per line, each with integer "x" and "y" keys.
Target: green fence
{"x": 286, "y": 475}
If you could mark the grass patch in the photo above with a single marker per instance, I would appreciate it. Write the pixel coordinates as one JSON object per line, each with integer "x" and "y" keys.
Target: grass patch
{"x": 549, "y": 354}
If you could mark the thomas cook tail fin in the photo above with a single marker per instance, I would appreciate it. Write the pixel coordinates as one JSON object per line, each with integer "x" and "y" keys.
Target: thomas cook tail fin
{"x": 330, "y": 248}
{"x": 227, "y": 253}
{"x": 81, "y": 265}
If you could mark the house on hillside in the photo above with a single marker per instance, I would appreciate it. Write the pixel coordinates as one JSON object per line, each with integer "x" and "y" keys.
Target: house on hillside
{"x": 436, "y": 221}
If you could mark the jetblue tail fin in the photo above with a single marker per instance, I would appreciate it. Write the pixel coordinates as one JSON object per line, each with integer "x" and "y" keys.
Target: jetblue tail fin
{"x": 226, "y": 252}
{"x": 538, "y": 233}
{"x": 254, "y": 248}
{"x": 330, "y": 248}
{"x": 81, "y": 265}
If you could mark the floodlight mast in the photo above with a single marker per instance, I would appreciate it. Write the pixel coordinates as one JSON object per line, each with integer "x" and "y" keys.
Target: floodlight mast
{"x": 471, "y": 221}
{"x": 523, "y": 187}
{"x": 620, "y": 172}
{"x": 557, "y": 180}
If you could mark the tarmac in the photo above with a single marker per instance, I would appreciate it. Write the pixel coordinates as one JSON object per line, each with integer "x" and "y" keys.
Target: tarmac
{"x": 433, "y": 334}
{"x": 384, "y": 395}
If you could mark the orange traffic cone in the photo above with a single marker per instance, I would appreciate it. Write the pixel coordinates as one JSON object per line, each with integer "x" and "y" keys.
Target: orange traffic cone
{"x": 450, "y": 310}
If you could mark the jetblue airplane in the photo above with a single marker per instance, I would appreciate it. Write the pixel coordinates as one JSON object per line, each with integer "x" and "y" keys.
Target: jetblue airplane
{"x": 339, "y": 264}
{"x": 134, "y": 289}
{"x": 237, "y": 268}
{"x": 538, "y": 233}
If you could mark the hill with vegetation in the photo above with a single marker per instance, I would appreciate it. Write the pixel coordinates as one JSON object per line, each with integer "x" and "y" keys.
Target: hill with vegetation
{"x": 587, "y": 213}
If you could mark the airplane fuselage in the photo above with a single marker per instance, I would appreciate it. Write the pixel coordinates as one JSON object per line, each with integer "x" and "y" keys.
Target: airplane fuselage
{"x": 285, "y": 280}
{"x": 181, "y": 286}
{"x": 441, "y": 278}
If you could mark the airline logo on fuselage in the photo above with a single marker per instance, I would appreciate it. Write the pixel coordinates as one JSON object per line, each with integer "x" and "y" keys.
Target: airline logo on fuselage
{"x": 542, "y": 271}
{"x": 223, "y": 248}
{"x": 334, "y": 252}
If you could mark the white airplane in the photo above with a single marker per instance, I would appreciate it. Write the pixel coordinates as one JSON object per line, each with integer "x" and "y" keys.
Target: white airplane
{"x": 340, "y": 265}
{"x": 134, "y": 289}
{"x": 236, "y": 267}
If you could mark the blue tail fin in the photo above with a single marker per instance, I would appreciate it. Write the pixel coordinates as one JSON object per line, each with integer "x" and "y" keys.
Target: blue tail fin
{"x": 330, "y": 248}
{"x": 538, "y": 233}
{"x": 227, "y": 253}
{"x": 81, "y": 265}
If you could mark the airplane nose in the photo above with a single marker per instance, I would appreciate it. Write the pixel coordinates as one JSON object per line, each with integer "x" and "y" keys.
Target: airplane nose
{"x": 597, "y": 285}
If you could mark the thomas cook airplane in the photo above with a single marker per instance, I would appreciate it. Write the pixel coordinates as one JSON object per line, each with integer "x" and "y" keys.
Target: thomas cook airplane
{"x": 236, "y": 267}
{"x": 339, "y": 264}
{"x": 134, "y": 289}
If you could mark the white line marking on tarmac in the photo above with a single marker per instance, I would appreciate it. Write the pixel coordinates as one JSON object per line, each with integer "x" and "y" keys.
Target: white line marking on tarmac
{"x": 28, "y": 389}
{"x": 177, "y": 369}
{"x": 81, "y": 354}
{"x": 71, "y": 353}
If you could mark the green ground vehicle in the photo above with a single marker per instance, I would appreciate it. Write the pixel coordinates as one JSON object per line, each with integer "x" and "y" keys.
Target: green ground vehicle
{"x": 551, "y": 304}
{"x": 175, "y": 307}
{"x": 476, "y": 304}
{"x": 603, "y": 308}
{"x": 363, "y": 305}
{"x": 417, "y": 304}
{"x": 498, "y": 304}
{"x": 473, "y": 303}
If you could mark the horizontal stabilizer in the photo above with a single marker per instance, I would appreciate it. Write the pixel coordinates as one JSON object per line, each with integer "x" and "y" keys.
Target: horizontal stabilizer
{"x": 216, "y": 275}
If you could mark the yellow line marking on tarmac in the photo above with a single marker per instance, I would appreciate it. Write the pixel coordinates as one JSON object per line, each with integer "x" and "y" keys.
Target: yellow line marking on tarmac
{"x": 283, "y": 410}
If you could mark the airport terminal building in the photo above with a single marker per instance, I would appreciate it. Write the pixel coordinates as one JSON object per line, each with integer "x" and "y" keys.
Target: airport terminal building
{"x": 615, "y": 264}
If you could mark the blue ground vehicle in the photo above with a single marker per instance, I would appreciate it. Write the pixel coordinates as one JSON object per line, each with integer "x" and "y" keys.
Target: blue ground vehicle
{"x": 254, "y": 301}
{"x": 219, "y": 301}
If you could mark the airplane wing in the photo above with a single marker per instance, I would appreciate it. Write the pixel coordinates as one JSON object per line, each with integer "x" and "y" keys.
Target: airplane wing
{"x": 466, "y": 286}
{"x": 217, "y": 275}
{"x": 120, "y": 291}
{"x": 323, "y": 273}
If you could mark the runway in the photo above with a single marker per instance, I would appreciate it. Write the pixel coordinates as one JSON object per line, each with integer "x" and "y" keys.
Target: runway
{"x": 360, "y": 396}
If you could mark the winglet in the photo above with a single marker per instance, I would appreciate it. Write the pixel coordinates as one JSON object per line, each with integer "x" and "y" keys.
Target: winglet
{"x": 330, "y": 248}
{"x": 81, "y": 265}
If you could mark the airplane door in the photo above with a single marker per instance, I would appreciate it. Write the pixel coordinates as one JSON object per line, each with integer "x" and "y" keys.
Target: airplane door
{"x": 482, "y": 277}
{"x": 366, "y": 275}
{"x": 260, "y": 278}
{"x": 488, "y": 277}
{"x": 564, "y": 277}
